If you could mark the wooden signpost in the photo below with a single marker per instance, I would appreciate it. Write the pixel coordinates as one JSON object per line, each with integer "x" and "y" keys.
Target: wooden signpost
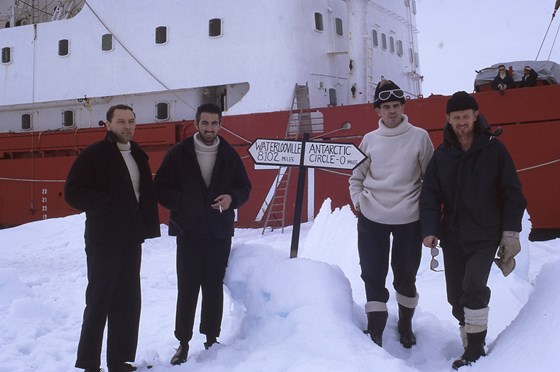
{"x": 304, "y": 154}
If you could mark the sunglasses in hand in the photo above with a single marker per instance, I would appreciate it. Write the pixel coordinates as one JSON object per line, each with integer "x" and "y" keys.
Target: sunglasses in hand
{"x": 433, "y": 262}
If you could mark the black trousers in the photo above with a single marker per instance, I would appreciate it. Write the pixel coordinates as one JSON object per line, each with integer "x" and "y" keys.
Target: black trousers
{"x": 374, "y": 248}
{"x": 112, "y": 297}
{"x": 466, "y": 275}
{"x": 201, "y": 264}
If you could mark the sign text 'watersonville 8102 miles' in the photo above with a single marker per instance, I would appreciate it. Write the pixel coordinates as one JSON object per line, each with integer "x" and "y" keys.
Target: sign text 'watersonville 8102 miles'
{"x": 316, "y": 154}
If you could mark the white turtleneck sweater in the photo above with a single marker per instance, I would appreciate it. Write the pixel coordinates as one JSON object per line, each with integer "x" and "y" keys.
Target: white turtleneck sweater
{"x": 132, "y": 167}
{"x": 206, "y": 156}
{"x": 386, "y": 187}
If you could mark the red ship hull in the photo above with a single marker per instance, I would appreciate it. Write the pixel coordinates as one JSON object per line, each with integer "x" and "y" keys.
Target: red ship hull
{"x": 33, "y": 165}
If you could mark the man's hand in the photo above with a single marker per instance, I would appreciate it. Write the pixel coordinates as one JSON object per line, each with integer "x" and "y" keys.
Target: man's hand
{"x": 222, "y": 202}
{"x": 431, "y": 241}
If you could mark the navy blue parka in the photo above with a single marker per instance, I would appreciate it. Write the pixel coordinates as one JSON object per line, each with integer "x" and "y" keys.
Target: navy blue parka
{"x": 471, "y": 197}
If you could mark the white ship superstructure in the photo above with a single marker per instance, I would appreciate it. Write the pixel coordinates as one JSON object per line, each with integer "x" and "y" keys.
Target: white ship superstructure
{"x": 65, "y": 62}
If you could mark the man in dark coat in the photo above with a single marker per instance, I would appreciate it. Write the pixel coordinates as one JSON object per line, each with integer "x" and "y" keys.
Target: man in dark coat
{"x": 529, "y": 78}
{"x": 503, "y": 80}
{"x": 471, "y": 199}
{"x": 201, "y": 180}
{"x": 111, "y": 181}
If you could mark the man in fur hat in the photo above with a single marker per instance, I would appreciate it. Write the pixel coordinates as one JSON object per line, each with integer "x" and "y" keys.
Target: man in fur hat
{"x": 471, "y": 200}
{"x": 385, "y": 190}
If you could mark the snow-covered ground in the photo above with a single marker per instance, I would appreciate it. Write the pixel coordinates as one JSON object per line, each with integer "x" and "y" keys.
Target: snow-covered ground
{"x": 281, "y": 314}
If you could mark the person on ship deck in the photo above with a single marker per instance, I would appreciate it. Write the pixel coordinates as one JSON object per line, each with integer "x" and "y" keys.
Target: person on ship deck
{"x": 529, "y": 78}
{"x": 503, "y": 80}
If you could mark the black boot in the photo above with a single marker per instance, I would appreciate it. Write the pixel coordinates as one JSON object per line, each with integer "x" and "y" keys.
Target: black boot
{"x": 405, "y": 326}
{"x": 210, "y": 341}
{"x": 181, "y": 354}
{"x": 474, "y": 350}
{"x": 376, "y": 324}
{"x": 124, "y": 367}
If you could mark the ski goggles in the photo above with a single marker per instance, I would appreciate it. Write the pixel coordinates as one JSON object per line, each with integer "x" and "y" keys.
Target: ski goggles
{"x": 386, "y": 94}
{"x": 433, "y": 262}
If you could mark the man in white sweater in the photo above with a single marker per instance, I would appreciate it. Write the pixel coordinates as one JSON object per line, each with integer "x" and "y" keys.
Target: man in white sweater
{"x": 385, "y": 190}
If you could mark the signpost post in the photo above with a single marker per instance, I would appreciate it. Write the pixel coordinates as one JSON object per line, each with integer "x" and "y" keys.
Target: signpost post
{"x": 304, "y": 154}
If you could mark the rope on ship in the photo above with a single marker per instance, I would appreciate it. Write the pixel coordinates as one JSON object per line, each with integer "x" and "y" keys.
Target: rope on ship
{"x": 325, "y": 170}
{"x": 236, "y": 135}
{"x": 556, "y": 6}
{"x": 538, "y": 166}
{"x": 135, "y": 58}
{"x": 29, "y": 180}
{"x": 149, "y": 72}
{"x": 518, "y": 171}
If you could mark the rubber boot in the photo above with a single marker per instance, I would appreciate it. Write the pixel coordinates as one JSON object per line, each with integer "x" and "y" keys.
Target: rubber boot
{"x": 407, "y": 337}
{"x": 376, "y": 325}
{"x": 474, "y": 350}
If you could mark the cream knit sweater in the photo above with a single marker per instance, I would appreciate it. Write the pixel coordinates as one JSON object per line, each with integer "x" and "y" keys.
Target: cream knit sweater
{"x": 386, "y": 187}
{"x": 206, "y": 156}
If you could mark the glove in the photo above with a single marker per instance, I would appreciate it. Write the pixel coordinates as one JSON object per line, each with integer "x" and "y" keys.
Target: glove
{"x": 509, "y": 248}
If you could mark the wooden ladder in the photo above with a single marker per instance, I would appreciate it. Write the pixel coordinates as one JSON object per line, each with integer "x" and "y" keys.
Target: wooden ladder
{"x": 298, "y": 122}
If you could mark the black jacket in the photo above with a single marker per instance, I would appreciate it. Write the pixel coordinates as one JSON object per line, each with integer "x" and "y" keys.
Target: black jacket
{"x": 99, "y": 184}
{"x": 181, "y": 188}
{"x": 507, "y": 80}
{"x": 471, "y": 196}
{"x": 529, "y": 80}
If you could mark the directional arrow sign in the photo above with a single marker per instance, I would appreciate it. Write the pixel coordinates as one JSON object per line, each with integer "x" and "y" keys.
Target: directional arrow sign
{"x": 276, "y": 152}
{"x": 317, "y": 154}
{"x": 332, "y": 155}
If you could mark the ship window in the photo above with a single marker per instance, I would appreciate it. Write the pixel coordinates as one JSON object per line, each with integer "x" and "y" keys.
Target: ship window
{"x": 399, "y": 48}
{"x": 26, "y": 121}
{"x": 6, "y": 55}
{"x": 338, "y": 26}
{"x": 414, "y": 6}
{"x": 384, "y": 41}
{"x": 332, "y": 97}
{"x": 375, "y": 39}
{"x": 411, "y": 55}
{"x": 392, "y": 44}
{"x": 107, "y": 42}
{"x": 416, "y": 59}
{"x": 63, "y": 47}
{"x": 162, "y": 111}
{"x": 215, "y": 27}
{"x": 68, "y": 118}
{"x": 161, "y": 35}
{"x": 319, "y": 22}
{"x": 407, "y": 2}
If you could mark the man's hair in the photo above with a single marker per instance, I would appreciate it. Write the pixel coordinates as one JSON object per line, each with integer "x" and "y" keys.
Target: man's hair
{"x": 209, "y": 108}
{"x": 112, "y": 109}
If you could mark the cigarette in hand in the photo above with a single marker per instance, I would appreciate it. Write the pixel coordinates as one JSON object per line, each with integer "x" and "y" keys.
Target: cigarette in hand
{"x": 221, "y": 210}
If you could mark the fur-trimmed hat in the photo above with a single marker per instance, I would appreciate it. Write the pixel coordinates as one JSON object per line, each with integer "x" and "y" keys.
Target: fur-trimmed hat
{"x": 392, "y": 93}
{"x": 461, "y": 101}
